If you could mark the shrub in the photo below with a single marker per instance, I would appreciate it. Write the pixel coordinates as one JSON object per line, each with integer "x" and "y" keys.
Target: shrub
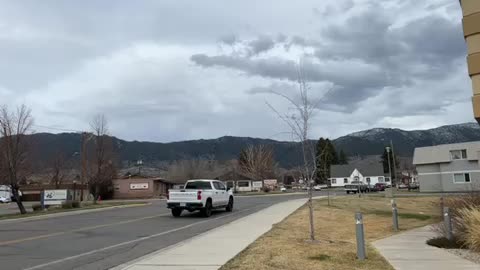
{"x": 36, "y": 207}
{"x": 76, "y": 204}
{"x": 457, "y": 204}
{"x": 266, "y": 189}
{"x": 67, "y": 205}
{"x": 469, "y": 231}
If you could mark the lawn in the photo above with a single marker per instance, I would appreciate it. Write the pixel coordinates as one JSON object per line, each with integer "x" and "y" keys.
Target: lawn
{"x": 285, "y": 246}
{"x": 85, "y": 206}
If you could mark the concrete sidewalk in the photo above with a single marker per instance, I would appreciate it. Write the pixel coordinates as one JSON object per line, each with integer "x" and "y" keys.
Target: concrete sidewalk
{"x": 409, "y": 251}
{"x": 213, "y": 249}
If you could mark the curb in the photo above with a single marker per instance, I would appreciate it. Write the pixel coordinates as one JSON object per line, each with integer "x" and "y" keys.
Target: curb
{"x": 71, "y": 213}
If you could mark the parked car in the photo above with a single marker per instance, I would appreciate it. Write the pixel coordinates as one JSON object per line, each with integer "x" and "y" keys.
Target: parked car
{"x": 380, "y": 186}
{"x": 356, "y": 186}
{"x": 283, "y": 189}
{"x": 5, "y": 200}
{"x": 402, "y": 186}
{"x": 413, "y": 186}
{"x": 317, "y": 188}
{"x": 200, "y": 195}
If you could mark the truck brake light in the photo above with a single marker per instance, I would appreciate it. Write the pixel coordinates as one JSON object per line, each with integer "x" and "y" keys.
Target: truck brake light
{"x": 199, "y": 195}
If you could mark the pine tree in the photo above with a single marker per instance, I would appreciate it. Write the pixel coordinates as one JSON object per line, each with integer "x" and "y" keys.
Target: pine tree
{"x": 342, "y": 158}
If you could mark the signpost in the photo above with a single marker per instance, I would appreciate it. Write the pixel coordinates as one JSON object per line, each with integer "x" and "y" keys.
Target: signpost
{"x": 54, "y": 196}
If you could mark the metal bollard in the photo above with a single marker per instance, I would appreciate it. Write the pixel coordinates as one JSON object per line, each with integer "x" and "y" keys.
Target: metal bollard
{"x": 395, "y": 215}
{"x": 361, "y": 255}
{"x": 447, "y": 219}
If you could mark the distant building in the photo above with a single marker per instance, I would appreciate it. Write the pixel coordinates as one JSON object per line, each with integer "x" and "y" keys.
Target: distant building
{"x": 141, "y": 188}
{"x": 240, "y": 182}
{"x": 448, "y": 167}
{"x": 371, "y": 173}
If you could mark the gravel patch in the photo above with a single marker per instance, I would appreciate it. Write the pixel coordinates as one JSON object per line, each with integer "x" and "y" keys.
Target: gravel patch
{"x": 466, "y": 254}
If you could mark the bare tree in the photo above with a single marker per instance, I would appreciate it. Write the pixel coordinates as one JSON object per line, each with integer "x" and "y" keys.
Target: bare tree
{"x": 298, "y": 118}
{"x": 102, "y": 169}
{"x": 195, "y": 168}
{"x": 58, "y": 167}
{"x": 14, "y": 126}
{"x": 257, "y": 162}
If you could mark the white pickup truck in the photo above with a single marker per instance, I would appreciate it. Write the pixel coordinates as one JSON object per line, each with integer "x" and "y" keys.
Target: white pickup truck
{"x": 203, "y": 195}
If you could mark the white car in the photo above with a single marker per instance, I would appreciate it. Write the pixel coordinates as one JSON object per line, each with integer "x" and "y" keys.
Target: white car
{"x": 317, "y": 188}
{"x": 5, "y": 200}
{"x": 200, "y": 195}
{"x": 283, "y": 189}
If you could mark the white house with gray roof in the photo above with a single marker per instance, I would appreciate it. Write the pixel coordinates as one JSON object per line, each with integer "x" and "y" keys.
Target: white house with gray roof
{"x": 371, "y": 173}
{"x": 448, "y": 167}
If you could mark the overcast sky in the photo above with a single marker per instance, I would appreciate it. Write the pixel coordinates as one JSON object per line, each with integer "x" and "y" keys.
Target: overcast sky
{"x": 175, "y": 70}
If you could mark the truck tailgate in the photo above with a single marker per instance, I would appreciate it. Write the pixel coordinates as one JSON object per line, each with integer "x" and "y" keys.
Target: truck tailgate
{"x": 183, "y": 196}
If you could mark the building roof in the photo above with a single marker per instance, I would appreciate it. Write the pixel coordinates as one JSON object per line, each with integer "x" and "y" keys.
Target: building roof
{"x": 441, "y": 153}
{"x": 370, "y": 169}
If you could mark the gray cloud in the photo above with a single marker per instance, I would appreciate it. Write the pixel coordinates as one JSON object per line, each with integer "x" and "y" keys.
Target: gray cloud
{"x": 173, "y": 70}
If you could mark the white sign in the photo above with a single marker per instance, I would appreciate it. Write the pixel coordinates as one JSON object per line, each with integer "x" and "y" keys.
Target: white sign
{"x": 54, "y": 196}
{"x": 139, "y": 186}
{"x": 270, "y": 182}
{"x": 257, "y": 184}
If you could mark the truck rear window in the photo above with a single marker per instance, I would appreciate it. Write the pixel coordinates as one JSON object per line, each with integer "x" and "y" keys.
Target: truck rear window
{"x": 198, "y": 185}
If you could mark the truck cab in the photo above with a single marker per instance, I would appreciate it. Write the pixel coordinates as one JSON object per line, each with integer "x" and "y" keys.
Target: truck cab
{"x": 200, "y": 195}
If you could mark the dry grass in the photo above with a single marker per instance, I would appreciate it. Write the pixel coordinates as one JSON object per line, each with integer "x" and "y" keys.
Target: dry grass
{"x": 284, "y": 247}
{"x": 469, "y": 218}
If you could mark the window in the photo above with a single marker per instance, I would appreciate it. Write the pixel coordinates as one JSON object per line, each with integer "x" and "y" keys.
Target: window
{"x": 221, "y": 185}
{"x": 458, "y": 154}
{"x": 461, "y": 178}
{"x": 218, "y": 186}
{"x": 345, "y": 180}
{"x": 387, "y": 179}
{"x": 198, "y": 185}
{"x": 334, "y": 181}
{"x": 381, "y": 179}
{"x": 368, "y": 180}
{"x": 243, "y": 184}
{"x": 356, "y": 178}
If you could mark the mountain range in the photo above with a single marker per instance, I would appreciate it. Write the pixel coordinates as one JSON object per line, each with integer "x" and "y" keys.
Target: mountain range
{"x": 363, "y": 143}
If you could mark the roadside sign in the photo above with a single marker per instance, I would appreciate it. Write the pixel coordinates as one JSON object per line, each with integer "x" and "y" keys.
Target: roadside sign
{"x": 54, "y": 196}
{"x": 139, "y": 186}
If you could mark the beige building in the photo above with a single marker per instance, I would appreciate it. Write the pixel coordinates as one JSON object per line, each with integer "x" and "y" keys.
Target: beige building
{"x": 471, "y": 31}
{"x": 140, "y": 188}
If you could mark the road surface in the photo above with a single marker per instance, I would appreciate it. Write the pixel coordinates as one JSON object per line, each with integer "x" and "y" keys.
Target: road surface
{"x": 106, "y": 239}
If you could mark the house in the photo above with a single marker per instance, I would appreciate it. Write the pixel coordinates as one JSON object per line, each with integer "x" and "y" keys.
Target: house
{"x": 138, "y": 187}
{"x": 240, "y": 182}
{"x": 448, "y": 167}
{"x": 371, "y": 173}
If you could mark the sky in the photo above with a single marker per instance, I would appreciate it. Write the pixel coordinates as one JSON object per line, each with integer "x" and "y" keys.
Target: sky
{"x": 179, "y": 70}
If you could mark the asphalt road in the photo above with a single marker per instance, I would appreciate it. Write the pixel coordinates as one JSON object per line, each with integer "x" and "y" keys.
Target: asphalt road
{"x": 106, "y": 239}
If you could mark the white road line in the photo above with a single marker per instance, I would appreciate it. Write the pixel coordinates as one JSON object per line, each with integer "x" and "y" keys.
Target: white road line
{"x": 129, "y": 242}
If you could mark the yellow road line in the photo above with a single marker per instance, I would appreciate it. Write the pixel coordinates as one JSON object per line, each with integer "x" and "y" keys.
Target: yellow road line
{"x": 32, "y": 238}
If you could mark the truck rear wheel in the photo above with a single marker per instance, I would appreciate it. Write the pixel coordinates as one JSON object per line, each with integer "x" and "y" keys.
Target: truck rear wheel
{"x": 229, "y": 207}
{"x": 207, "y": 211}
{"x": 176, "y": 212}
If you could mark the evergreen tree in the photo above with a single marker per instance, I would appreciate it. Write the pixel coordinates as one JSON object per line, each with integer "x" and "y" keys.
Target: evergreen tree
{"x": 342, "y": 158}
{"x": 326, "y": 156}
{"x": 392, "y": 158}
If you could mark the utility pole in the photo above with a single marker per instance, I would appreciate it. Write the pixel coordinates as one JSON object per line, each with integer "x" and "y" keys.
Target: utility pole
{"x": 84, "y": 163}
